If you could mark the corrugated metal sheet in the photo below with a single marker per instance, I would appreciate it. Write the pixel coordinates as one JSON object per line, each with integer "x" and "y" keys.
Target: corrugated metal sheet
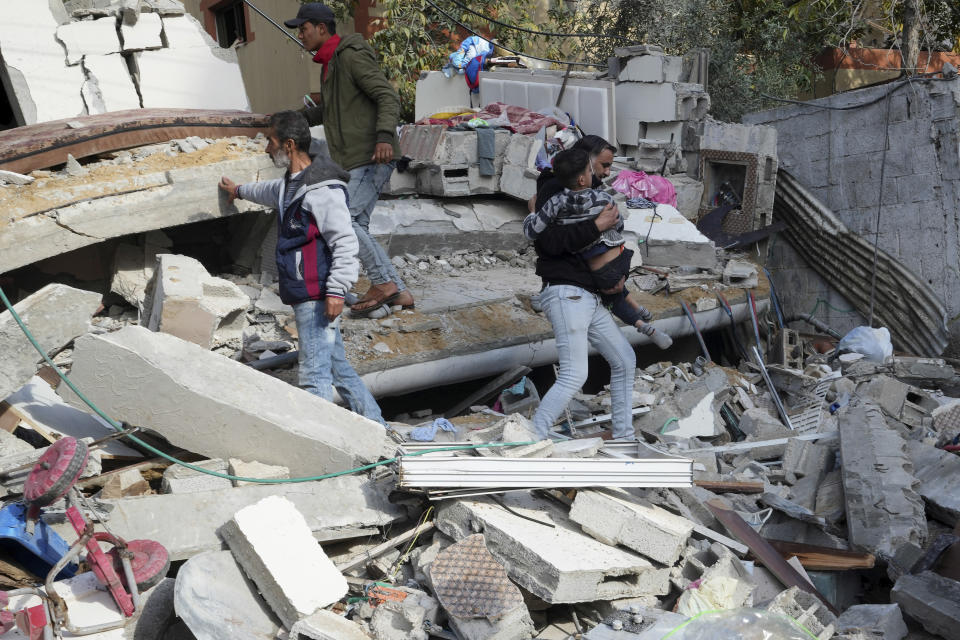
{"x": 915, "y": 316}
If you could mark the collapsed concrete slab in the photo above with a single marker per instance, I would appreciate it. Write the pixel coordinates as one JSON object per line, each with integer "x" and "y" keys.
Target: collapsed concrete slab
{"x": 671, "y": 240}
{"x": 55, "y": 315}
{"x": 883, "y": 510}
{"x": 65, "y": 214}
{"x": 144, "y": 34}
{"x": 931, "y": 600}
{"x": 616, "y": 517}
{"x": 337, "y": 508}
{"x": 275, "y": 548}
{"x": 218, "y": 602}
{"x": 216, "y": 406}
{"x": 193, "y": 305}
{"x": 407, "y": 225}
{"x": 557, "y": 563}
{"x": 939, "y": 474}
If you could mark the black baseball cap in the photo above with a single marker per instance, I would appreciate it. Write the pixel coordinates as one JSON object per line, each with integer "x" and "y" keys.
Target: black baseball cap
{"x": 313, "y": 11}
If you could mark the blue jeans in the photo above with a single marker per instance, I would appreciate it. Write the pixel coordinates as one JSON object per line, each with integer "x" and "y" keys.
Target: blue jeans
{"x": 580, "y": 320}
{"x": 364, "y": 188}
{"x": 323, "y": 361}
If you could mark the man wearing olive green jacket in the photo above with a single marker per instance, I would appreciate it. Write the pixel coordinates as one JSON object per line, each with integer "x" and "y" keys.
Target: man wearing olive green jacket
{"x": 359, "y": 110}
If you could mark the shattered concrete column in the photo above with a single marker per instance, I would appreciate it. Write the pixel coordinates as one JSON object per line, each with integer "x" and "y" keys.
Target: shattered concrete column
{"x": 273, "y": 544}
{"x": 55, "y": 315}
{"x": 191, "y": 304}
{"x": 217, "y": 407}
{"x": 931, "y": 600}
{"x": 549, "y": 556}
{"x": 883, "y": 510}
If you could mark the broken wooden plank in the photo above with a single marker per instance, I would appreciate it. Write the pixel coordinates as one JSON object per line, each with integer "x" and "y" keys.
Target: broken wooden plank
{"x": 487, "y": 390}
{"x": 763, "y": 551}
{"x": 9, "y": 419}
{"x": 382, "y": 548}
{"x": 103, "y": 478}
{"x": 23, "y": 149}
{"x": 816, "y": 558}
{"x": 730, "y": 486}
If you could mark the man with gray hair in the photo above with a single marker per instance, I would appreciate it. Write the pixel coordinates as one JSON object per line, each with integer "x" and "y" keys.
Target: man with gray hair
{"x": 316, "y": 256}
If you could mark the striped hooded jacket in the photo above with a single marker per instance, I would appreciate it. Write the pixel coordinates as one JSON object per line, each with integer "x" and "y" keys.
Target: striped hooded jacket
{"x": 316, "y": 245}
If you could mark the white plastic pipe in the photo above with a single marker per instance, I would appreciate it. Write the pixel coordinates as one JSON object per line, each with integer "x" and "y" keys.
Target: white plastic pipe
{"x": 471, "y": 366}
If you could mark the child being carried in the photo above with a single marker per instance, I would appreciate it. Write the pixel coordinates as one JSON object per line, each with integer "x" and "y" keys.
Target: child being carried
{"x": 607, "y": 258}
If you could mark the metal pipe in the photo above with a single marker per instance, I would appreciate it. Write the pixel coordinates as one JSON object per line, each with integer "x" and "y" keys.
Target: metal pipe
{"x": 271, "y": 21}
{"x": 817, "y": 324}
{"x": 471, "y": 366}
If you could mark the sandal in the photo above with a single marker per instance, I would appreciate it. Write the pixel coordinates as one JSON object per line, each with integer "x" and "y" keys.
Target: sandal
{"x": 376, "y": 303}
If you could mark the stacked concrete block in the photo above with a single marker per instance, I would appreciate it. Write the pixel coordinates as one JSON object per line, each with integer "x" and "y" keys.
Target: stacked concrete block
{"x": 218, "y": 407}
{"x": 193, "y": 305}
{"x": 806, "y": 609}
{"x": 652, "y": 68}
{"x": 931, "y": 600}
{"x": 180, "y": 479}
{"x": 883, "y": 621}
{"x": 557, "y": 563}
{"x": 55, "y": 315}
{"x": 273, "y": 544}
{"x": 615, "y": 517}
{"x": 837, "y": 155}
{"x": 883, "y": 509}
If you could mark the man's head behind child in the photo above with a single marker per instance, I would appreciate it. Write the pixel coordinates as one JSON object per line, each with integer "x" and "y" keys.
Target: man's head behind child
{"x": 572, "y": 169}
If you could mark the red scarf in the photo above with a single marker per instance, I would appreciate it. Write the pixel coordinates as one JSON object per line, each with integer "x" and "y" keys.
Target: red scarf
{"x": 325, "y": 53}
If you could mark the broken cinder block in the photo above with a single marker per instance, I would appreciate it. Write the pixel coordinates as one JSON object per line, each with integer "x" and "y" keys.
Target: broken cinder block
{"x": 191, "y": 304}
{"x": 275, "y": 548}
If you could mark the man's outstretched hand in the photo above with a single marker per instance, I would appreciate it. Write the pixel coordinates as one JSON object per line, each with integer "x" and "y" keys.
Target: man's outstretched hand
{"x": 230, "y": 187}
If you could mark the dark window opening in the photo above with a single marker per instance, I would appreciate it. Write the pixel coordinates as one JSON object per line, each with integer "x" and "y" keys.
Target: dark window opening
{"x": 231, "y": 23}
{"x": 8, "y": 118}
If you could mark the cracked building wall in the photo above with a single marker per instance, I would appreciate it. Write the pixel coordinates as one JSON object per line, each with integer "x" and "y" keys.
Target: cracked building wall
{"x": 59, "y": 64}
{"x": 839, "y": 156}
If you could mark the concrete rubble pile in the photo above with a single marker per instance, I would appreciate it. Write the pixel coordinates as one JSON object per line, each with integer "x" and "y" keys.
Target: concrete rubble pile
{"x": 790, "y": 482}
{"x": 836, "y": 514}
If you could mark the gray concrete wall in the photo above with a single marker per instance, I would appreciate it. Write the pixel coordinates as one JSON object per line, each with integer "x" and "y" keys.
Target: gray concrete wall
{"x": 839, "y": 156}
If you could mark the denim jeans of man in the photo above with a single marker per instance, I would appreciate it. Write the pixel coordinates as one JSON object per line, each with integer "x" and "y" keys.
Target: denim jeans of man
{"x": 579, "y": 321}
{"x": 323, "y": 362}
{"x": 364, "y": 188}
